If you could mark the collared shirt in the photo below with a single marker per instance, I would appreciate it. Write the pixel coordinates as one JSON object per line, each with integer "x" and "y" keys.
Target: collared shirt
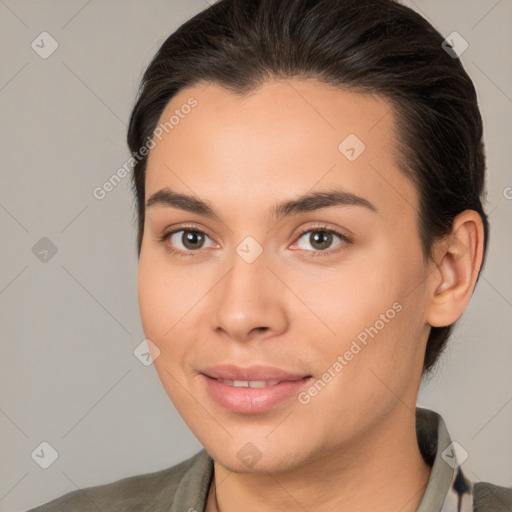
{"x": 185, "y": 486}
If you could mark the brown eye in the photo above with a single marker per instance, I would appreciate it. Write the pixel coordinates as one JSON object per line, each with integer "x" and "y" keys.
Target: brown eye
{"x": 320, "y": 239}
{"x": 192, "y": 239}
{"x": 185, "y": 240}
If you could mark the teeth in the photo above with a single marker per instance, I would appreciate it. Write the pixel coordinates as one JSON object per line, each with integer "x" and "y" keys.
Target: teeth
{"x": 249, "y": 383}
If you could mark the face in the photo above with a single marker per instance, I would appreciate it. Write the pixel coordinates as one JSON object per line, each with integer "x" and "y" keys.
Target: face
{"x": 330, "y": 290}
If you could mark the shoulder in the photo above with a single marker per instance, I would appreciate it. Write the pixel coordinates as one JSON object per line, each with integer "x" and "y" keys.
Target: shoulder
{"x": 149, "y": 491}
{"x": 491, "y": 498}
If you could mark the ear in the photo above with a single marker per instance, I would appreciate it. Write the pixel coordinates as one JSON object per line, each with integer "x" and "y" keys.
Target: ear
{"x": 458, "y": 260}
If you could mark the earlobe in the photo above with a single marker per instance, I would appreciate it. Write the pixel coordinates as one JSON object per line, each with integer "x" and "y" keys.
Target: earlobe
{"x": 459, "y": 259}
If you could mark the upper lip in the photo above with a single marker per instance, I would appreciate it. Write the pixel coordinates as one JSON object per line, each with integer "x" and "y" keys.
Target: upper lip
{"x": 256, "y": 372}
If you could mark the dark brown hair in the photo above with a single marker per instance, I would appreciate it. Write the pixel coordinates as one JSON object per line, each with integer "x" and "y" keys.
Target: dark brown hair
{"x": 368, "y": 46}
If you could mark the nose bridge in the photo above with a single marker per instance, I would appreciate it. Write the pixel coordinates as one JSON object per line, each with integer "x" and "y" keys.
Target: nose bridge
{"x": 245, "y": 283}
{"x": 246, "y": 298}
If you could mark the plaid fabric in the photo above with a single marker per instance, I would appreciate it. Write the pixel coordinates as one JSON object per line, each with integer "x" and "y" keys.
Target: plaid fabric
{"x": 448, "y": 489}
{"x": 460, "y": 495}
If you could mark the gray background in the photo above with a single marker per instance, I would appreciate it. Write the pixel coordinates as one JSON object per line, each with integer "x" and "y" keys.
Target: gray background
{"x": 69, "y": 326}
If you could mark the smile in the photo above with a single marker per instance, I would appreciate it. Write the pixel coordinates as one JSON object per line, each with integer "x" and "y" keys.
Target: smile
{"x": 249, "y": 383}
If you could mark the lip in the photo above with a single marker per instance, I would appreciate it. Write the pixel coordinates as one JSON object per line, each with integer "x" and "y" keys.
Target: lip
{"x": 246, "y": 400}
{"x": 255, "y": 372}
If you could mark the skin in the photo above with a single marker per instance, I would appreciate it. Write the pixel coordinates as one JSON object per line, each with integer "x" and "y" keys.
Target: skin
{"x": 298, "y": 306}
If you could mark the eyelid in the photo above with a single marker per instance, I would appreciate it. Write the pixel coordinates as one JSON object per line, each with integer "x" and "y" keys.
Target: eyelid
{"x": 345, "y": 239}
{"x": 172, "y": 230}
{"x": 186, "y": 227}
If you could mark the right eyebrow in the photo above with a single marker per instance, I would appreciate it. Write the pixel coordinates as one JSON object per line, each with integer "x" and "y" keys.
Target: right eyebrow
{"x": 170, "y": 199}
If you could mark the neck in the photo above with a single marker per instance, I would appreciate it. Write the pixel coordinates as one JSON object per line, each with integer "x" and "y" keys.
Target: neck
{"x": 383, "y": 470}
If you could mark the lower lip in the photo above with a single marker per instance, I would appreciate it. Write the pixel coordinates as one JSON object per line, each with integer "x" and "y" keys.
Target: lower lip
{"x": 252, "y": 400}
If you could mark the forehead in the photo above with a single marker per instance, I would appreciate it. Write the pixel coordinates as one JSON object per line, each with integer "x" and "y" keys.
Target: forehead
{"x": 284, "y": 138}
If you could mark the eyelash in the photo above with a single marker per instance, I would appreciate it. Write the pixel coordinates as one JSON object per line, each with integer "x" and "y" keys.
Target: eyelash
{"x": 345, "y": 241}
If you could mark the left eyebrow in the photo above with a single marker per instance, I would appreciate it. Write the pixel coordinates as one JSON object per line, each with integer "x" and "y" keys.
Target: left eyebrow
{"x": 319, "y": 200}
{"x": 305, "y": 203}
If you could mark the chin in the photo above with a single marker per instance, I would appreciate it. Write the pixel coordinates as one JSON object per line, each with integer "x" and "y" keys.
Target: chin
{"x": 249, "y": 459}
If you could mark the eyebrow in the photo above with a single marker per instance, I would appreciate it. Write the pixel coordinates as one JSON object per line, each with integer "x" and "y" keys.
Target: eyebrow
{"x": 305, "y": 203}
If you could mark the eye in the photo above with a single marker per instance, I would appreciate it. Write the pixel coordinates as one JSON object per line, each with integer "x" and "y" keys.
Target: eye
{"x": 188, "y": 241}
{"x": 184, "y": 240}
{"x": 321, "y": 238}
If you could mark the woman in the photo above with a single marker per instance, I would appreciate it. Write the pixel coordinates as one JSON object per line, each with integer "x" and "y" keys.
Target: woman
{"x": 309, "y": 179}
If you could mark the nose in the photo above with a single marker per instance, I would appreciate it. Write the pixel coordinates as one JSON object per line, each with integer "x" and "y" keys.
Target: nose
{"x": 249, "y": 302}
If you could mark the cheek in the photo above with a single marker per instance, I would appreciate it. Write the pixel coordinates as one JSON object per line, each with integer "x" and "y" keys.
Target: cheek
{"x": 349, "y": 297}
{"x": 161, "y": 308}
{"x": 151, "y": 297}
{"x": 165, "y": 295}
{"x": 367, "y": 315}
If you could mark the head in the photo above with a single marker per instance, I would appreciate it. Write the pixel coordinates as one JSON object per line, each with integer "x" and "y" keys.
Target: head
{"x": 251, "y": 104}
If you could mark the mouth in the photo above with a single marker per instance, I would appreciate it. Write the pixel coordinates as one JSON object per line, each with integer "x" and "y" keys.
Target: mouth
{"x": 252, "y": 383}
{"x": 253, "y": 396}
{"x": 252, "y": 376}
